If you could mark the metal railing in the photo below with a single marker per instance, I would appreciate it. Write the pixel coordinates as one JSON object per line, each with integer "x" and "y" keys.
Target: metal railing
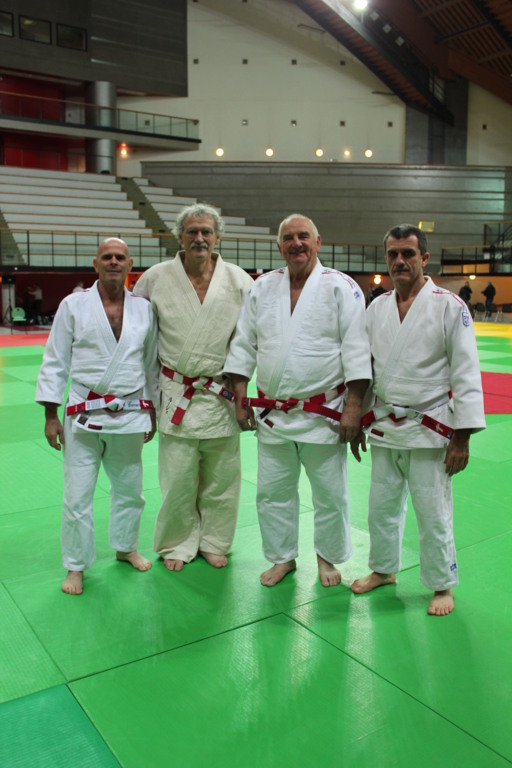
{"x": 78, "y": 114}
{"x": 66, "y": 249}
{"x": 478, "y": 259}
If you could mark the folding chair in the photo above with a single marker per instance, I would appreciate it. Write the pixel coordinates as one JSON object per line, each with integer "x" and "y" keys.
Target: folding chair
{"x": 18, "y": 316}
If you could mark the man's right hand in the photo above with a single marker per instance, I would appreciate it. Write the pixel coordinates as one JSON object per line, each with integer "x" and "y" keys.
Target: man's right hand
{"x": 54, "y": 432}
{"x": 358, "y": 442}
{"x": 245, "y": 417}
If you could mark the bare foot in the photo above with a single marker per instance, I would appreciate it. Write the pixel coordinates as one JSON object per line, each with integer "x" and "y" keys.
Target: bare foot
{"x": 173, "y": 565}
{"x": 218, "y": 561}
{"x": 139, "y": 563}
{"x": 277, "y": 573}
{"x": 442, "y": 603}
{"x": 72, "y": 584}
{"x": 374, "y": 580}
{"x": 329, "y": 575}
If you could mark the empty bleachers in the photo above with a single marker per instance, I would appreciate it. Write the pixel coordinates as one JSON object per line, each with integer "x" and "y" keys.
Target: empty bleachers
{"x": 57, "y": 219}
{"x": 252, "y": 247}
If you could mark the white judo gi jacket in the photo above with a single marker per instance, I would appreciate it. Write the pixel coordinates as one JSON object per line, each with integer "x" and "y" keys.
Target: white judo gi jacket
{"x": 431, "y": 353}
{"x": 193, "y": 339}
{"x": 322, "y": 344}
{"x": 82, "y": 345}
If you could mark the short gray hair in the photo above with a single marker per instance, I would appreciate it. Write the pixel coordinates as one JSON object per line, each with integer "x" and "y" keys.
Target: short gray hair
{"x": 403, "y": 231}
{"x": 195, "y": 211}
{"x": 296, "y": 216}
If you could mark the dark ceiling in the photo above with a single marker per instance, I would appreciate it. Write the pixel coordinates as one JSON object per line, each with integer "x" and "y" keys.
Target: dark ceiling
{"x": 415, "y": 46}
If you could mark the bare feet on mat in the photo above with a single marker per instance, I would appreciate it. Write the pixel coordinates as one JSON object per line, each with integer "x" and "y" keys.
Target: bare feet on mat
{"x": 139, "y": 563}
{"x": 329, "y": 575}
{"x": 277, "y": 573}
{"x": 218, "y": 561}
{"x": 173, "y": 565}
{"x": 374, "y": 580}
{"x": 442, "y": 603}
{"x": 72, "y": 584}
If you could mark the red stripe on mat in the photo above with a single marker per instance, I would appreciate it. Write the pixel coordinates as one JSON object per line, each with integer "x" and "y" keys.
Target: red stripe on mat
{"x": 497, "y": 392}
{"x": 24, "y": 340}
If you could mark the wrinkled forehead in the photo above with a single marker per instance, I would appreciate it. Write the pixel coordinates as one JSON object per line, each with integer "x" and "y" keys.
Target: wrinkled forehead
{"x": 199, "y": 222}
{"x": 112, "y": 247}
{"x": 297, "y": 225}
{"x": 402, "y": 243}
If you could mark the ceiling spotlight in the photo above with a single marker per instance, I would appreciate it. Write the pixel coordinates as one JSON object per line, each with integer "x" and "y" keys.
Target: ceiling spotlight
{"x": 219, "y": 152}
{"x": 377, "y": 279}
{"x": 123, "y": 150}
{"x": 269, "y": 152}
{"x": 360, "y": 5}
{"x": 472, "y": 277}
{"x": 319, "y": 152}
{"x": 346, "y": 153}
{"x": 368, "y": 153}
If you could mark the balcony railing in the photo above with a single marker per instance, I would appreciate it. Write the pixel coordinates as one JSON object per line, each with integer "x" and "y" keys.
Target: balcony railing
{"x": 44, "y": 249}
{"x": 78, "y": 114}
{"x": 477, "y": 259}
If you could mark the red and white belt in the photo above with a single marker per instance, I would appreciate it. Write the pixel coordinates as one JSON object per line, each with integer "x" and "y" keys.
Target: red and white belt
{"x": 192, "y": 384}
{"x": 314, "y": 404}
{"x": 96, "y": 402}
{"x": 417, "y": 413}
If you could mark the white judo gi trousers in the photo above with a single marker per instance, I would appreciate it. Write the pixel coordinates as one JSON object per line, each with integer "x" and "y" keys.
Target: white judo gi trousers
{"x": 200, "y": 483}
{"x": 277, "y": 499}
{"x": 120, "y": 455}
{"x": 395, "y": 472}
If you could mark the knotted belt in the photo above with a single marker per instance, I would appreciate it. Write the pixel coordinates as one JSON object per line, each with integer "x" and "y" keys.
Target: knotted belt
{"x": 400, "y": 412}
{"x": 96, "y": 402}
{"x": 192, "y": 384}
{"x": 314, "y": 404}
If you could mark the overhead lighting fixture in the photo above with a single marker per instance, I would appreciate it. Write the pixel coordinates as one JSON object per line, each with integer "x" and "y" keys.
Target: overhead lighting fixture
{"x": 368, "y": 153}
{"x": 269, "y": 152}
{"x": 377, "y": 279}
{"x": 319, "y": 152}
{"x": 346, "y": 153}
{"x": 219, "y": 152}
{"x": 123, "y": 150}
{"x": 360, "y": 5}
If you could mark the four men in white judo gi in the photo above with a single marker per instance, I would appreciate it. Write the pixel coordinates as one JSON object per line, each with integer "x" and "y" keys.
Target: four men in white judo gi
{"x": 105, "y": 339}
{"x": 196, "y": 298}
{"x": 428, "y": 402}
{"x": 303, "y": 328}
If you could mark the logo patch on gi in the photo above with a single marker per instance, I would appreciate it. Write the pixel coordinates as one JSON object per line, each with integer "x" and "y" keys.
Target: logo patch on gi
{"x": 465, "y": 317}
{"x": 453, "y": 567}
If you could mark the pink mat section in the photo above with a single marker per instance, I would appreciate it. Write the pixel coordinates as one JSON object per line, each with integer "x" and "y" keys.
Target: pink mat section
{"x": 497, "y": 392}
{"x": 23, "y": 340}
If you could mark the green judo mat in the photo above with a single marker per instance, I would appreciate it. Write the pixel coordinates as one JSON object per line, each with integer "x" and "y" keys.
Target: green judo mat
{"x": 208, "y": 668}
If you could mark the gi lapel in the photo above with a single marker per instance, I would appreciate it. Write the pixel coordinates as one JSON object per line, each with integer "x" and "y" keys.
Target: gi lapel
{"x": 291, "y": 323}
{"x": 203, "y": 324}
{"x": 407, "y": 328}
{"x": 116, "y": 349}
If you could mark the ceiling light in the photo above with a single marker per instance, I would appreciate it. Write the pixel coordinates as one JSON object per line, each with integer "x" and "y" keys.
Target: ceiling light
{"x": 368, "y": 153}
{"x": 319, "y": 152}
{"x": 219, "y": 152}
{"x": 269, "y": 152}
{"x": 360, "y": 5}
{"x": 346, "y": 153}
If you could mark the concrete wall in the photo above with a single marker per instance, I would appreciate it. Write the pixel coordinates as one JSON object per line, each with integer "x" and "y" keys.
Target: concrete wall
{"x": 350, "y": 202}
